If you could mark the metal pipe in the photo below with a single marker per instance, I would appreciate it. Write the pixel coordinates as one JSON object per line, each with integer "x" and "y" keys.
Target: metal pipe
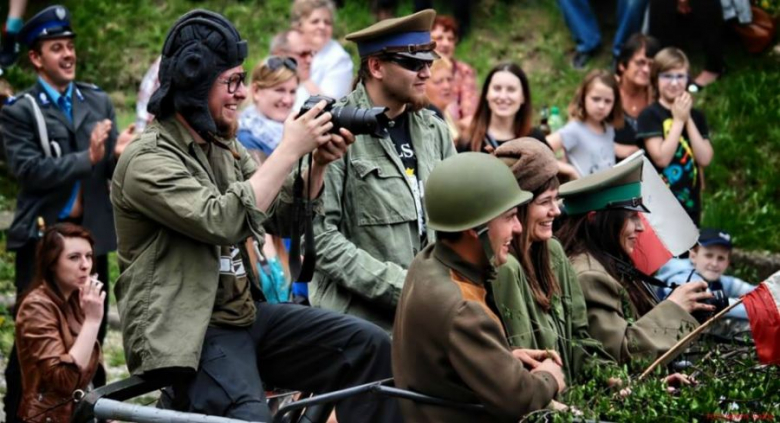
{"x": 114, "y": 410}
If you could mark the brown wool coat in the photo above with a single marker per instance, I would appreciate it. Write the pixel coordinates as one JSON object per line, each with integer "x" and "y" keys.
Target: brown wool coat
{"x": 448, "y": 343}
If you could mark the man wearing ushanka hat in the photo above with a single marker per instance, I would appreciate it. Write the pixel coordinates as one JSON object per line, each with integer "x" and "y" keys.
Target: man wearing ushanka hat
{"x": 374, "y": 222}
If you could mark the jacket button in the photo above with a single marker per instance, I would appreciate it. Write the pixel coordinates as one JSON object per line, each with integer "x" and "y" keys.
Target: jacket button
{"x": 414, "y": 251}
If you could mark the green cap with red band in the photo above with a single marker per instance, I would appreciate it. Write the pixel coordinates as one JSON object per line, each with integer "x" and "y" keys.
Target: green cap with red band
{"x": 616, "y": 188}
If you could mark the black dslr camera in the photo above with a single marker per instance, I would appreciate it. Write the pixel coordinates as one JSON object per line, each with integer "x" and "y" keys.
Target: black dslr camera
{"x": 719, "y": 300}
{"x": 371, "y": 121}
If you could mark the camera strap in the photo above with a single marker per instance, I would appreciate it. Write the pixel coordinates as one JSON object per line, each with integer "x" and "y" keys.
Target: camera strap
{"x": 302, "y": 209}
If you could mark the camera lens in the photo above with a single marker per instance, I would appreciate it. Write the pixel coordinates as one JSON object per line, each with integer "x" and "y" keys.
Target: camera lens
{"x": 359, "y": 121}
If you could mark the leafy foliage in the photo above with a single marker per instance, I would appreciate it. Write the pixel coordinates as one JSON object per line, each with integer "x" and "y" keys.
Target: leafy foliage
{"x": 730, "y": 384}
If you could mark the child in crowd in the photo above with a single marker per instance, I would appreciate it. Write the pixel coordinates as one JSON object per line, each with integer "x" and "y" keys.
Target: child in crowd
{"x": 675, "y": 135}
{"x": 589, "y": 137}
{"x": 708, "y": 261}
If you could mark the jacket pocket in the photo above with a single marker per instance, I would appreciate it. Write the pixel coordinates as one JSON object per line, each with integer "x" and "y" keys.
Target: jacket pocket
{"x": 382, "y": 194}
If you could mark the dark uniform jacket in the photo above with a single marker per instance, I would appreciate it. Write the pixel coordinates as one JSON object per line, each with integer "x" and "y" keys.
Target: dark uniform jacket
{"x": 46, "y": 183}
{"x": 448, "y": 343}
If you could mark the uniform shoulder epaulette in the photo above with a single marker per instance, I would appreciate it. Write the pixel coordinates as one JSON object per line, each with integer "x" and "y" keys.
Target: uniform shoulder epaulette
{"x": 10, "y": 100}
{"x": 88, "y": 86}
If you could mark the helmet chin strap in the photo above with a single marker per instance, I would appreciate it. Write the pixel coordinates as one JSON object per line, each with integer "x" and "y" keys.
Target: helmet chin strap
{"x": 484, "y": 239}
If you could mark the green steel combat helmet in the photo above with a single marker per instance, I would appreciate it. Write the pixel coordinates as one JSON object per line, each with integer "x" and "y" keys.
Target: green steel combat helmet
{"x": 468, "y": 190}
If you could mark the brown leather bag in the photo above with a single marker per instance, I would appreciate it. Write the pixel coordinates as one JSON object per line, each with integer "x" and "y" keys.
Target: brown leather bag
{"x": 759, "y": 34}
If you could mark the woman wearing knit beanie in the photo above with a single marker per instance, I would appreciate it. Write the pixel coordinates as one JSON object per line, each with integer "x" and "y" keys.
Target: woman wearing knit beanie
{"x": 536, "y": 291}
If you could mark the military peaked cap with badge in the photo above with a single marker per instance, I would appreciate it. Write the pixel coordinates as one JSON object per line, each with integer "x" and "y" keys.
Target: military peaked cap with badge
{"x": 408, "y": 36}
{"x": 51, "y": 22}
{"x": 616, "y": 188}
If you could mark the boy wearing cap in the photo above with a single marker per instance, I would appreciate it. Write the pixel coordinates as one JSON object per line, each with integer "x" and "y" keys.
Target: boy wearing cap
{"x": 374, "y": 223}
{"x": 708, "y": 261}
{"x": 448, "y": 340}
{"x": 61, "y": 143}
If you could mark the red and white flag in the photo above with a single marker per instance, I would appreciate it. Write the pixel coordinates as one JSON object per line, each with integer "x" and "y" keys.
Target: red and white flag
{"x": 763, "y": 309}
{"x": 669, "y": 231}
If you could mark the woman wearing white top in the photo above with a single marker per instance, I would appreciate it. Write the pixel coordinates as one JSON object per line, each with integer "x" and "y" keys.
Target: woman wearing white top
{"x": 331, "y": 69}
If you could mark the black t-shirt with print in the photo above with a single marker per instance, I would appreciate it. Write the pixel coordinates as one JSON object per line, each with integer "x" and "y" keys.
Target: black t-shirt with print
{"x": 402, "y": 139}
{"x": 682, "y": 174}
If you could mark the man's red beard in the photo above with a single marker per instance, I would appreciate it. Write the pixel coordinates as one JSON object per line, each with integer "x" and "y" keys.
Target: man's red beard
{"x": 227, "y": 131}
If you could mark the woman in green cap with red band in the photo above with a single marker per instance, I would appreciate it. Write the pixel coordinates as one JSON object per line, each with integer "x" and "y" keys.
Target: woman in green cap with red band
{"x": 599, "y": 236}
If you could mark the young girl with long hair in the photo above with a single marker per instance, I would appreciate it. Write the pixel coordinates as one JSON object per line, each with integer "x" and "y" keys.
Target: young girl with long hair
{"x": 589, "y": 137}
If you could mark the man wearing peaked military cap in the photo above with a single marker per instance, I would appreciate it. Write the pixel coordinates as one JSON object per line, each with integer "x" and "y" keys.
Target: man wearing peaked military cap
{"x": 376, "y": 193}
{"x": 61, "y": 143}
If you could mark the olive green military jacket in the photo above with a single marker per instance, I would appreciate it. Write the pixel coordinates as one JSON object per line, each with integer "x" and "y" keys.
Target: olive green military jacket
{"x": 564, "y": 328}
{"x": 613, "y": 319}
{"x": 171, "y": 219}
{"x": 368, "y": 235}
{"x": 448, "y": 343}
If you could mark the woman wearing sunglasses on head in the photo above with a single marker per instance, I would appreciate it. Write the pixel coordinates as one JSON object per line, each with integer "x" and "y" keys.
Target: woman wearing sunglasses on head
{"x": 599, "y": 235}
{"x": 271, "y": 97}
{"x": 331, "y": 67}
{"x": 57, "y": 325}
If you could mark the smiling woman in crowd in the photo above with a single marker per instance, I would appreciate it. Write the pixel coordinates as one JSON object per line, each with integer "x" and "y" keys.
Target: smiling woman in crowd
{"x": 504, "y": 112}
{"x": 331, "y": 68}
{"x": 272, "y": 94}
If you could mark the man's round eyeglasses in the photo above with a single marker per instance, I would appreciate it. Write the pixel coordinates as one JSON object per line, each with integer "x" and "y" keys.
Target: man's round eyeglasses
{"x": 234, "y": 81}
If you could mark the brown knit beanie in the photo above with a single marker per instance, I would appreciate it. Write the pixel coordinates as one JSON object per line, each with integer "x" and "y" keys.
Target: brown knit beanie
{"x": 531, "y": 161}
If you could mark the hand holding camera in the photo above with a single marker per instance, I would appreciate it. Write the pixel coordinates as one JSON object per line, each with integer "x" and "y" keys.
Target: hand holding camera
{"x": 307, "y": 131}
{"x": 693, "y": 297}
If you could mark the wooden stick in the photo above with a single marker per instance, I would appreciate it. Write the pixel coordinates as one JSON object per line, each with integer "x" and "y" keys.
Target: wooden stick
{"x": 683, "y": 342}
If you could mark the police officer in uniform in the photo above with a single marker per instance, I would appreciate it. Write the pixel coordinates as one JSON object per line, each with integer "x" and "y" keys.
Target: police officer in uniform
{"x": 60, "y": 141}
{"x": 374, "y": 223}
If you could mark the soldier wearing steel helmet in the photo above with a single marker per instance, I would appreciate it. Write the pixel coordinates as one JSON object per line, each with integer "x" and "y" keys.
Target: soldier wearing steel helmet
{"x": 448, "y": 340}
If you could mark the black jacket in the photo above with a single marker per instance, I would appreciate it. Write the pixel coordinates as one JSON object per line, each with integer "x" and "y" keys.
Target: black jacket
{"x": 46, "y": 183}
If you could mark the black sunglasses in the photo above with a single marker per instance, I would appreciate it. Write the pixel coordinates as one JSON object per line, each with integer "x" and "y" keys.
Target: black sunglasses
{"x": 276, "y": 62}
{"x": 414, "y": 65}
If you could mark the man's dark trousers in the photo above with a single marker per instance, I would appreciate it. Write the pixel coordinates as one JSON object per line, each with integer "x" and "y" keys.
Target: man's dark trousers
{"x": 293, "y": 347}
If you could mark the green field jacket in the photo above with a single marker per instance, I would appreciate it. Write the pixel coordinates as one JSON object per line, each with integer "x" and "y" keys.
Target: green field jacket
{"x": 173, "y": 211}
{"x": 368, "y": 235}
{"x": 563, "y": 329}
{"x": 613, "y": 319}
